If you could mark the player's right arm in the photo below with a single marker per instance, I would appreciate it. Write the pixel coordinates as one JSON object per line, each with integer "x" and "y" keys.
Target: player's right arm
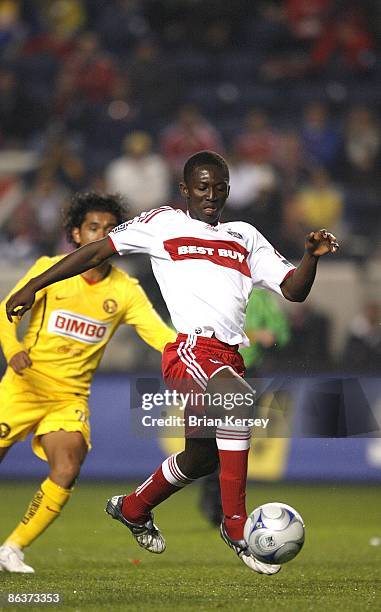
{"x": 89, "y": 256}
{"x": 134, "y": 236}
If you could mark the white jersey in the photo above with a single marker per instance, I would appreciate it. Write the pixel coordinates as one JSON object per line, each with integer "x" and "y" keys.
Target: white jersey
{"x": 205, "y": 273}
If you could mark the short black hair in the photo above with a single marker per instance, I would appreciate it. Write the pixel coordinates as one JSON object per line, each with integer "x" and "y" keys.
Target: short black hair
{"x": 82, "y": 203}
{"x": 204, "y": 158}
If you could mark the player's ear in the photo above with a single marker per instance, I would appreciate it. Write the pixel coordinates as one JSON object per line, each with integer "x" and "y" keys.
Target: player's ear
{"x": 76, "y": 235}
{"x": 184, "y": 190}
{"x": 228, "y": 190}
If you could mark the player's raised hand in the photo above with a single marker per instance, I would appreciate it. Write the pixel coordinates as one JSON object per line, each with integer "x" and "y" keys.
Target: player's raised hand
{"x": 19, "y": 362}
{"x": 321, "y": 242}
{"x": 20, "y": 302}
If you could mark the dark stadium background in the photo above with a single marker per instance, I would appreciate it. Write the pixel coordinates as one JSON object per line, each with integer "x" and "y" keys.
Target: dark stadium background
{"x": 113, "y": 95}
{"x": 289, "y": 91}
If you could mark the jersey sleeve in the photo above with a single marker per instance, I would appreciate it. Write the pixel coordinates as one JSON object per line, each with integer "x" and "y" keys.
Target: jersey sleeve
{"x": 268, "y": 267}
{"x": 143, "y": 234}
{"x": 143, "y": 317}
{"x": 8, "y": 331}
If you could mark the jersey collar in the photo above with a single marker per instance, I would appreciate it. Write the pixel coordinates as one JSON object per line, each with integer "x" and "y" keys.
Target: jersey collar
{"x": 213, "y": 227}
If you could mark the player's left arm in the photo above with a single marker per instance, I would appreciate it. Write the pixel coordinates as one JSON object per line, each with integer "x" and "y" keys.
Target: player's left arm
{"x": 141, "y": 314}
{"x": 298, "y": 285}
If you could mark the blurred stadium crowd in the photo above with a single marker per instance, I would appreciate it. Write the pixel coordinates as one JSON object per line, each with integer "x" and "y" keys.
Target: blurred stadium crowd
{"x": 114, "y": 95}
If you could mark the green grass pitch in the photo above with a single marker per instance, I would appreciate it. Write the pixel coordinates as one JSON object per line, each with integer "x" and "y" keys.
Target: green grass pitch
{"x": 94, "y": 563}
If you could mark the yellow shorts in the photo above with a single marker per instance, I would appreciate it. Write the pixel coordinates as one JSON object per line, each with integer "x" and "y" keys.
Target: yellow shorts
{"x": 24, "y": 409}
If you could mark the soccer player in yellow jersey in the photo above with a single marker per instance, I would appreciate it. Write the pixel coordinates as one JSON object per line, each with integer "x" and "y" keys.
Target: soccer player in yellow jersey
{"x": 45, "y": 388}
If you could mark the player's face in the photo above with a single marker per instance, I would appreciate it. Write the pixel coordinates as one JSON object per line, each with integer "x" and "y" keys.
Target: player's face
{"x": 95, "y": 226}
{"x": 206, "y": 193}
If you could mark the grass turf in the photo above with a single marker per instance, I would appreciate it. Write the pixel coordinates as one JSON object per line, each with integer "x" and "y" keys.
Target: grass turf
{"x": 94, "y": 564}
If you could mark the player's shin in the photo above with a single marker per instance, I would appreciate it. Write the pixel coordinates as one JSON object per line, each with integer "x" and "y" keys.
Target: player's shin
{"x": 233, "y": 445}
{"x": 44, "y": 508}
{"x": 167, "y": 479}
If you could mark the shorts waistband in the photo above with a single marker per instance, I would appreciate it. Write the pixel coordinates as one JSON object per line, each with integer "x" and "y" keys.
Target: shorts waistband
{"x": 213, "y": 342}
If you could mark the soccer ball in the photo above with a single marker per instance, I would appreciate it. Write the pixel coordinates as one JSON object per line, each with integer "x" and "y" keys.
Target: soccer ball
{"x": 274, "y": 533}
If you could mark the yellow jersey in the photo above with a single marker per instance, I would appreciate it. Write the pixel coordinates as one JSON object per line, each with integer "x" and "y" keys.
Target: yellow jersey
{"x": 71, "y": 323}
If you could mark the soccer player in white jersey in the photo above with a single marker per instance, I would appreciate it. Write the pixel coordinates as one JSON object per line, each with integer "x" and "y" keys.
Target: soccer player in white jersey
{"x": 206, "y": 271}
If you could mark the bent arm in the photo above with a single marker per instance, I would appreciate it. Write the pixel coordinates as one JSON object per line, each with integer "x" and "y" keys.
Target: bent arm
{"x": 89, "y": 256}
{"x": 297, "y": 286}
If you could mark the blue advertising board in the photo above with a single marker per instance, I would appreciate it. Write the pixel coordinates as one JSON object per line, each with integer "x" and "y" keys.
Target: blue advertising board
{"x": 121, "y": 451}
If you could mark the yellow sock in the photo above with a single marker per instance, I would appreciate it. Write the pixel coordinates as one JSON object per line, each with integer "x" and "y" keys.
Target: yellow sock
{"x": 44, "y": 508}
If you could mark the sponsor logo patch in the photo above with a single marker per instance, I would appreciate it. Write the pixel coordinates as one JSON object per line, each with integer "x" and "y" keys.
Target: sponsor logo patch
{"x": 78, "y": 327}
{"x": 121, "y": 227}
{"x": 110, "y": 306}
{"x": 69, "y": 350}
{"x": 4, "y": 430}
{"x": 284, "y": 261}
{"x": 226, "y": 253}
{"x": 33, "y": 507}
{"x": 266, "y": 542}
{"x": 235, "y": 234}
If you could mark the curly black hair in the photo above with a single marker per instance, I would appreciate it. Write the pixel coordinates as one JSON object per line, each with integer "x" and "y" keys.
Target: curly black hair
{"x": 82, "y": 203}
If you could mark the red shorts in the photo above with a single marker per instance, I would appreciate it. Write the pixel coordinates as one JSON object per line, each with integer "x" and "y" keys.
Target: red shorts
{"x": 192, "y": 360}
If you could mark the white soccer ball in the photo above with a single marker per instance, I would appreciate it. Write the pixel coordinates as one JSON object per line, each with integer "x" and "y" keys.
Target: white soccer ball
{"x": 274, "y": 533}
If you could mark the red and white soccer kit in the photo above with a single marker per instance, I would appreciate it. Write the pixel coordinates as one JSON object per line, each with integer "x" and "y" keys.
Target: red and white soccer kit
{"x": 206, "y": 275}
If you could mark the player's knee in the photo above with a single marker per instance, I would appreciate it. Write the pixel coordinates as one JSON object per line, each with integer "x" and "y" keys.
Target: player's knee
{"x": 65, "y": 473}
{"x": 196, "y": 465}
{"x": 238, "y": 398}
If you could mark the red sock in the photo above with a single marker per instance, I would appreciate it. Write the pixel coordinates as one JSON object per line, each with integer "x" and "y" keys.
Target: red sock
{"x": 167, "y": 479}
{"x": 233, "y": 450}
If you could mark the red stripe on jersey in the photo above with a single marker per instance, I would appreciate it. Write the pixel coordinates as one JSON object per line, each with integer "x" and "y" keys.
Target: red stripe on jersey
{"x": 226, "y": 253}
{"x": 112, "y": 243}
{"x": 154, "y": 213}
{"x": 289, "y": 273}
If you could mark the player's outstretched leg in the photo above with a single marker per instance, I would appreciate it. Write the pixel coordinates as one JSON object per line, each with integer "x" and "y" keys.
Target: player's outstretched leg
{"x": 134, "y": 511}
{"x": 147, "y": 535}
